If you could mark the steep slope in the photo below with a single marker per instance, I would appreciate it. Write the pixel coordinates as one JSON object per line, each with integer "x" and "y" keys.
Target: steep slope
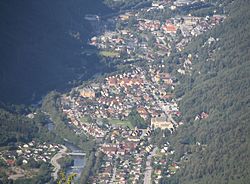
{"x": 217, "y": 148}
{"x": 15, "y": 128}
{"x": 37, "y": 52}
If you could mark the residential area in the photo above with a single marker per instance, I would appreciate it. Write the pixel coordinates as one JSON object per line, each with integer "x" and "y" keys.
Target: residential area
{"x": 102, "y": 109}
{"x": 32, "y": 154}
{"x": 128, "y": 157}
{"x": 140, "y": 39}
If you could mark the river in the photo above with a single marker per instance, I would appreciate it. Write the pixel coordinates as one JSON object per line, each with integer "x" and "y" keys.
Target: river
{"x": 78, "y": 161}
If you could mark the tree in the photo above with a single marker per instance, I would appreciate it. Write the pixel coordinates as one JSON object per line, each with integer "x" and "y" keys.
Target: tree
{"x": 136, "y": 120}
{"x": 131, "y": 22}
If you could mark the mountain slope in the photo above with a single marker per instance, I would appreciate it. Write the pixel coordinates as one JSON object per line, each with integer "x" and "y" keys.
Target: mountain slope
{"x": 218, "y": 147}
{"x": 37, "y": 52}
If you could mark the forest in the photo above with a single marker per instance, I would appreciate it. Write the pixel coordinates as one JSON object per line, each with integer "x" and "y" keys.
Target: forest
{"x": 217, "y": 148}
{"x": 38, "y": 49}
{"x": 127, "y": 4}
{"x": 15, "y": 128}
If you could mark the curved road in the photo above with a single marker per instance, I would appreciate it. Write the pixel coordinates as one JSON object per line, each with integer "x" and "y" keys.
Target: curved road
{"x": 54, "y": 162}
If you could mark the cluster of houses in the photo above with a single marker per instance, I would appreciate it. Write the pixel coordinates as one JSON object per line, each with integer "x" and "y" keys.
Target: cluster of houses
{"x": 148, "y": 89}
{"x": 39, "y": 152}
{"x": 75, "y": 119}
{"x": 163, "y": 163}
{"x": 186, "y": 64}
{"x": 201, "y": 116}
{"x": 125, "y": 156}
{"x": 105, "y": 172}
{"x": 114, "y": 97}
{"x": 153, "y": 39}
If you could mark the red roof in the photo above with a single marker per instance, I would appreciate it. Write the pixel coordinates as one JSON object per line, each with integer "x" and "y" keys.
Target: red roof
{"x": 170, "y": 28}
{"x": 10, "y": 162}
{"x": 112, "y": 81}
{"x": 109, "y": 150}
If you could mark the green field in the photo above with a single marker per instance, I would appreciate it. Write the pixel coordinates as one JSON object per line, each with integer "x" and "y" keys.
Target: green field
{"x": 84, "y": 119}
{"x": 121, "y": 122}
{"x": 111, "y": 54}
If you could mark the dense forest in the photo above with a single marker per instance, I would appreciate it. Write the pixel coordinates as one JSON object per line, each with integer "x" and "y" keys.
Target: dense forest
{"x": 15, "y": 128}
{"x": 41, "y": 44}
{"x": 127, "y": 4}
{"x": 216, "y": 149}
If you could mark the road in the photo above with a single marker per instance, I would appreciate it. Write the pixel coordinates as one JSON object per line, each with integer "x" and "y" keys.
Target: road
{"x": 114, "y": 172}
{"x": 54, "y": 162}
{"x": 148, "y": 172}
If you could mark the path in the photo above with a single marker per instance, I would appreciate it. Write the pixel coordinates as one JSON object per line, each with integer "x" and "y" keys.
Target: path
{"x": 54, "y": 162}
{"x": 114, "y": 172}
{"x": 148, "y": 172}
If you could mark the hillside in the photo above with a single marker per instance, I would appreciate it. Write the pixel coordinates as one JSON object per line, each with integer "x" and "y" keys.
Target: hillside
{"x": 38, "y": 51}
{"x": 15, "y": 128}
{"x": 216, "y": 149}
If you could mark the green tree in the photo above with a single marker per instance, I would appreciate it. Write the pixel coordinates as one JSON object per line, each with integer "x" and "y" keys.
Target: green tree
{"x": 136, "y": 120}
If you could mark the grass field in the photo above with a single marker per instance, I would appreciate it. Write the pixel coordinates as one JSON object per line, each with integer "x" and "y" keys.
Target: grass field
{"x": 111, "y": 54}
{"x": 121, "y": 122}
{"x": 84, "y": 119}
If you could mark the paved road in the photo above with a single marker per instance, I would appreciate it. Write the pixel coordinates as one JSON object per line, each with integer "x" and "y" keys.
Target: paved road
{"x": 113, "y": 176}
{"x": 54, "y": 162}
{"x": 148, "y": 172}
{"x": 114, "y": 172}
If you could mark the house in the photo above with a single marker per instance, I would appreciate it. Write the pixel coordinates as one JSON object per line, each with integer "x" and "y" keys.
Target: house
{"x": 149, "y": 148}
{"x": 121, "y": 152}
{"x": 143, "y": 112}
{"x": 172, "y": 7}
{"x": 155, "y": 4}
{"x": 165, "y": 77}
{"x": 190, "y": 20}
{"x": 204, "y": 115}
{"x": 158, "y": 172}
{"x": 169, "y": 28}
{"x": 129, "y": 146}
{"x": 133, "y": 139}
{"x": 124, "y": 17}
{"x": 87, "y": 93}
{"x": 10, "y": 162}
{"x": 110, "y": 151}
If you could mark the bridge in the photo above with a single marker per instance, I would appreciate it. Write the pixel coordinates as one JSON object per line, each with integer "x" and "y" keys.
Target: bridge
{"x": 76, "y": 154}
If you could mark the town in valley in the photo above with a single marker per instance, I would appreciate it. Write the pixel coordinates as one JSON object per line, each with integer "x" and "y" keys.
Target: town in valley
{"x": 132, "y": 111}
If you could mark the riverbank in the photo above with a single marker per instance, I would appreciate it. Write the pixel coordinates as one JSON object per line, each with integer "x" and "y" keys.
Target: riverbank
{"x": 54, "y": 161}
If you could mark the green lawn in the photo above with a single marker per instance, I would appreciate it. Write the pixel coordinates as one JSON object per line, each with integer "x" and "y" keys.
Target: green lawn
{"x": 109, "y": 54}
{"x": 84, "y": 119}
{"x": 121, "y": 122}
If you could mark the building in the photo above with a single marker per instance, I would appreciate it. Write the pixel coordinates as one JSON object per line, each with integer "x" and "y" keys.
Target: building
{"x": 169, "y": 28}
{"x": 87, "y": 93}
{"x": 162, "y": 123}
